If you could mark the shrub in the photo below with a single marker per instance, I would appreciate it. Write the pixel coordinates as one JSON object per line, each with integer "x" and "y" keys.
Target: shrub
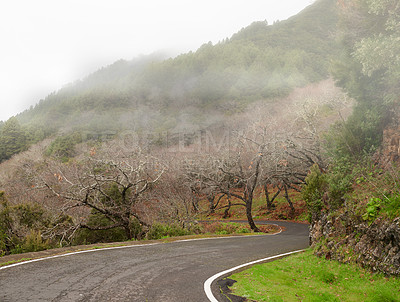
{"x": 361, "y": 134}
{"x": 243, "y": 230}
{"x": 313, "y": 191}
{"x": 20, "y": 227}
{"x": 158, "y": 231}
{"x": 63, "y": 147}
{"x": 391, "y": 206}
{"x": 30, "y": 215}
{"x": 34, "y": 242}
{"x": 97, "y": 219}
{"x": 339, "y": 185}
{"x": 372, "y": 210}
{"x": 3, "y": 247}
{"x": 226, "y": 228}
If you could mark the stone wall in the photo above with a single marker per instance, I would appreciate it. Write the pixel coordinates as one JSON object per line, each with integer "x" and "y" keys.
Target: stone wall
{"x": 348, "y": 239}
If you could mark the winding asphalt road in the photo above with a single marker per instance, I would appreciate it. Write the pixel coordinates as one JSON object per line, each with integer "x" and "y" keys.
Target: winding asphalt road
{"x": 162, "y": 272}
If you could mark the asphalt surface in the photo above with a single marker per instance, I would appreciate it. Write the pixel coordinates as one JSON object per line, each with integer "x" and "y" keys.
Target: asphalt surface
{"x": 163, "y": 272}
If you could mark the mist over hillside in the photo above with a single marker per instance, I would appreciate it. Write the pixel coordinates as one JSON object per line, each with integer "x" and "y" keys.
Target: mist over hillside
{"x": 195, "y": 90}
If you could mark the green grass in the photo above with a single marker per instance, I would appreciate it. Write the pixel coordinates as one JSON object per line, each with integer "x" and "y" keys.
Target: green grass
{"x": 15, "y": 261}
{"x": 305, "y": 277}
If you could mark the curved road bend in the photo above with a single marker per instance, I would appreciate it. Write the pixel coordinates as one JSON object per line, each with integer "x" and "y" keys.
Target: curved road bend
{"x": 164, "y": 272}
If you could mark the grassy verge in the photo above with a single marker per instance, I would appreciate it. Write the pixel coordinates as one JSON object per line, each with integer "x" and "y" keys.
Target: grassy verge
{"x": 305, "y": 277}
{"x": 14, "y": 261}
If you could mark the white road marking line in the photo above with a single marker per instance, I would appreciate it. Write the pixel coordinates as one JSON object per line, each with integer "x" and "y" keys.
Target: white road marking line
{"x": 75, "y": 253}
{"x": 239, "y": 236}
{"x": 209, "y": 281}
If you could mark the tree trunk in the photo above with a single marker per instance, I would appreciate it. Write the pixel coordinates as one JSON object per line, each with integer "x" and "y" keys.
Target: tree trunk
{"x": 195, "y": 202}
{"x": 226, "y": 213}
{"x": 211, "y": 198}
{"x": 249, "y": 193}
{"x": 292, "y": 210}
{"x": 128, "y": 228}
{"x": 249, "y": 205}
{"x": 128, "y": 232}
{"x": 266, "y": 192}
{"x": 270, "y": 201}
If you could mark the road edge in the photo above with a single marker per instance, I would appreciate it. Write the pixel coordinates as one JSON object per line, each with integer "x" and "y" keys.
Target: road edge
{"x": 75, "y": 253}
{"x": 125, "y": 246}
{"x": 209, "y": 281}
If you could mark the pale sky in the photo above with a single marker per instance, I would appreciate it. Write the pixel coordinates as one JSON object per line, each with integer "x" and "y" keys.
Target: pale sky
{"x": 46, "y": 44}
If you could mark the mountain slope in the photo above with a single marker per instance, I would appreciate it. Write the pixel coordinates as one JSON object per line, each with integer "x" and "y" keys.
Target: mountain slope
{"x": 197, "y": 89}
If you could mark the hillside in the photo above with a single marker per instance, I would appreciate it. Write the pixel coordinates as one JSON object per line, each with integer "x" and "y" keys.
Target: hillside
{"x": 140, "y": 147}
{"x": 90, "y": 191}
{"x": 195, "y": 90}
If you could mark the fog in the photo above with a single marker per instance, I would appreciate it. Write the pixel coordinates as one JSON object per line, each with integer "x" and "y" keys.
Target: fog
{"x": 48, "y": 44}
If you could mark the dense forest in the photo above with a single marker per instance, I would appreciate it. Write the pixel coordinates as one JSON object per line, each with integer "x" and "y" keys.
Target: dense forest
{"x": 260, "y": 122}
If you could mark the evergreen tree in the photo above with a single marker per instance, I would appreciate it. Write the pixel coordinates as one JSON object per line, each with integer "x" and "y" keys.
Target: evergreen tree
{"x": 12, "y": 139}
{"x": 369, "y": 69}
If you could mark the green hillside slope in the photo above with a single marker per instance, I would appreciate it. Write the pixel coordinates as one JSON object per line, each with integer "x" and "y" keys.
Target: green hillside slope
{"x": 197, "y": 89}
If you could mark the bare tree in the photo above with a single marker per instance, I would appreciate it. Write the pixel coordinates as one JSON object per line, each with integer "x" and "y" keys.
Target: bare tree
{"x": 287, "y": 168}
{"x": 114, "y": 188}
{"x": 234, "y": 174}
{"x": 176, "y": 199}
{"x": 17, "y": 179}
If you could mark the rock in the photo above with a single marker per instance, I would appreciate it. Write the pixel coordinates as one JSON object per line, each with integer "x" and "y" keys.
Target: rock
{"x": 390, "y": 150}
{"x": 376, "y": 246}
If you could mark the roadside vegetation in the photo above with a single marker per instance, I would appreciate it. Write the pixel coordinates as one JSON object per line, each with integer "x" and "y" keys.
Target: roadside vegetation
{"x": 361, "y": 180}
{"x": 34, "y": 242}
{"x": 305, "y": 277}
{"x": 359, "y": 188}
{"x": 163, "y": 233}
